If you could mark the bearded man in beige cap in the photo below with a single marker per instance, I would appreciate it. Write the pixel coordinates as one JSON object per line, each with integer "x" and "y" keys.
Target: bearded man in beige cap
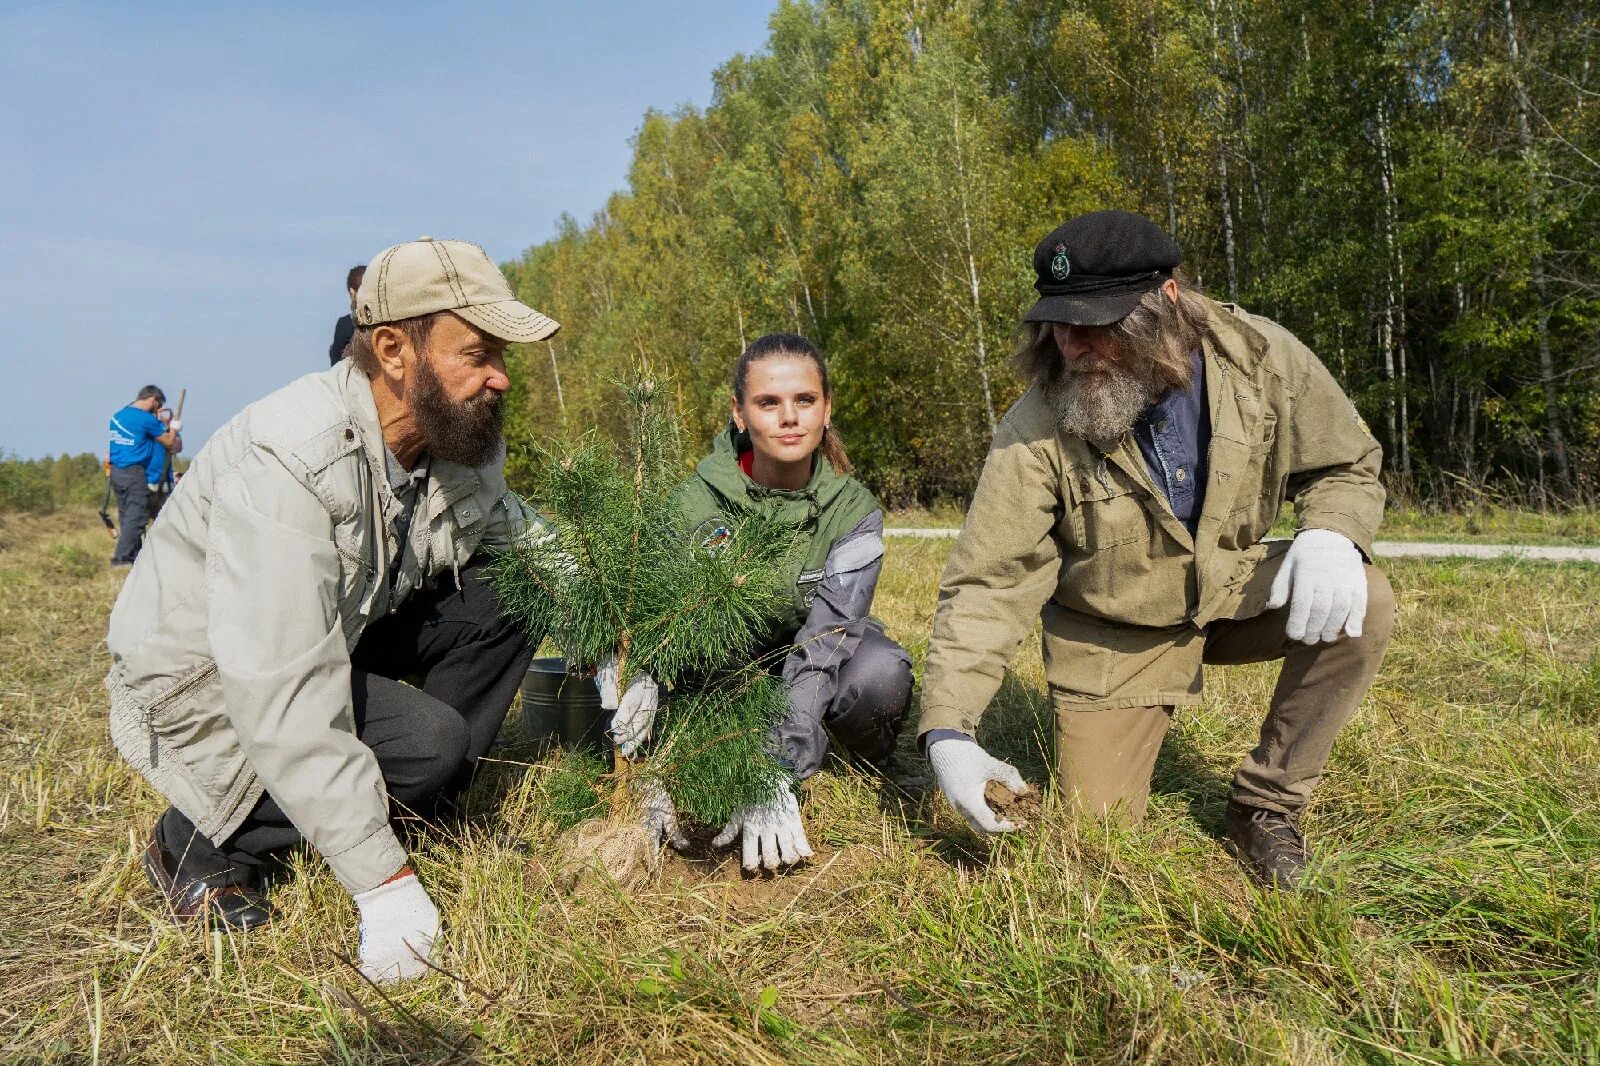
{"x": 326, "y": 544}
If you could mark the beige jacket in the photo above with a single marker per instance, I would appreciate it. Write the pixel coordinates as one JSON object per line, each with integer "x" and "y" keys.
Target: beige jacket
{"x": 231, "y": 639}
{"x": 1085, "y": 539}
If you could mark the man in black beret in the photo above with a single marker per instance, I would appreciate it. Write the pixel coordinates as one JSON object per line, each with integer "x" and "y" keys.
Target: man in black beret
{"x": 1125, "y": 499}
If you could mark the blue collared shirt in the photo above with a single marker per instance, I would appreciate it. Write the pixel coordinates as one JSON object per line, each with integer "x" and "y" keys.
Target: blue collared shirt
{"x": 1174, "y": 434}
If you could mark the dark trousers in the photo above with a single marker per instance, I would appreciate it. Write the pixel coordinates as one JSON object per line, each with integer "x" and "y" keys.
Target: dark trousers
{"x": 465, "y": 661}
{"x": 870, "y": 705}
{"x": 133, "y": 510}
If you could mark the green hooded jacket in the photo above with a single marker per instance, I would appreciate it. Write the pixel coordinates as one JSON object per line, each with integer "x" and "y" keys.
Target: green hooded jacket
{"x": 830, "y": 506}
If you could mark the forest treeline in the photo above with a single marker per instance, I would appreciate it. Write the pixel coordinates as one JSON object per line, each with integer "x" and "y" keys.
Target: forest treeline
{"x": 41, "y": 485}
{"x": 1409, "y": 186}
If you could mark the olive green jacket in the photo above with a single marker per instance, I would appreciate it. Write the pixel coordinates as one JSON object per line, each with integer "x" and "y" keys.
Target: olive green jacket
{"x": 833, "y": 572}
{"x": 1085, "y": 539}
{"x": 821, "y": 514}
{"x": 230, "y": 641}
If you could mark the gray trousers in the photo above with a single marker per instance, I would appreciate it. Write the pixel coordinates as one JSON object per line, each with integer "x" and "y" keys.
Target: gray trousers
{"x": 872, "y": 699}
{"x": 133, "y": 510}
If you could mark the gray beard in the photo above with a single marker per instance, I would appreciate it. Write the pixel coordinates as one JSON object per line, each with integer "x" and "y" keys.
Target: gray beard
{"x": 1099, "y": 408}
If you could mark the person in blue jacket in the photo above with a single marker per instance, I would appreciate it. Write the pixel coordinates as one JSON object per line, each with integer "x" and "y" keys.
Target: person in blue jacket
{"x": 136, "y": 435}
{"x": 160, "y": 471}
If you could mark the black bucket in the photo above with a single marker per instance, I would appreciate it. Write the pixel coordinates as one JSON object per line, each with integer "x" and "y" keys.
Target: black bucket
{"x": 563, "y": 706}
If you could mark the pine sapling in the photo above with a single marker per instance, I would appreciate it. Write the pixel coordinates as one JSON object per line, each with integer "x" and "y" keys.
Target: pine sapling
{"x": 616, "y": 575}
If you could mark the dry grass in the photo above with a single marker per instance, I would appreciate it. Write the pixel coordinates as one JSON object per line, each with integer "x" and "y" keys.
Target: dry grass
{"x": 1460, "y": 920}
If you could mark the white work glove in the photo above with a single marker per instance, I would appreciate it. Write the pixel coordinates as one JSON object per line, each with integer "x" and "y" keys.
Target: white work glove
{"x": 153, "y": 486}
{"x": 660, "y": 816}
{"x": 175, "y": 425}
{"x": 398, "y": 926}
{"x": 963, "y": 769}
{"x": 773, "y": 832}
{"x": 1325, "y": 585}
{"x": 635, "y": 709}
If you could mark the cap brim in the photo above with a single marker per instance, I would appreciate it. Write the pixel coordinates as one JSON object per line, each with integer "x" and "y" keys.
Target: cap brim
{"x": 510, "y": 320}
{"x": 1084, "y": 310}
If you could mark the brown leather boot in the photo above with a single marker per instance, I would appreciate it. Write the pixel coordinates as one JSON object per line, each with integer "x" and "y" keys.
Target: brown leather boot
{"x": 195, "y": 899}
{"x": 1268, "y": 844}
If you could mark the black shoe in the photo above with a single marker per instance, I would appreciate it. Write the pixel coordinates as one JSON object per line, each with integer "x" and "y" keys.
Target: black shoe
{"x": 1268, "y": 844}
{"x": 194, "y": 899}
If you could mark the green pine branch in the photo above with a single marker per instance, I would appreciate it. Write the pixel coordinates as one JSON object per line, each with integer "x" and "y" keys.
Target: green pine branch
{"x": 618, "y": 576}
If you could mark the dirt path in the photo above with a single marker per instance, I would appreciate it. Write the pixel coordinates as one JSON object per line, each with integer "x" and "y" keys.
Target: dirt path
{"x": 1393, "y": 549}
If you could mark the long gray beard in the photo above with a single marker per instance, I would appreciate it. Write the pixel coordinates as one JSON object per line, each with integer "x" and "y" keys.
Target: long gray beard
{"x": 1098, "y": 408}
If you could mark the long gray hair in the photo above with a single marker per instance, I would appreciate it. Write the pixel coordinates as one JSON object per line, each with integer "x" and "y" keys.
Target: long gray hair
{"x": 1155, "y": 338}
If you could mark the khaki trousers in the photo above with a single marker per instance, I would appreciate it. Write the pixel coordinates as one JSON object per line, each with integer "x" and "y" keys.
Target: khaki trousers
{"x": 1106, "y": 756}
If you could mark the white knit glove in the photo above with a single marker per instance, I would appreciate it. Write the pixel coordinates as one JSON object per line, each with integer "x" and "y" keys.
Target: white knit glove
{"x": 660, "y": 816}
{"x": 175, "y": 425}
{"x": 963, "y": 769}
{"x": 773, "y": 832}
{"x": 399, "y": 924}
{"x": 1325, "y": 585}
{"x": 636, "y": 709}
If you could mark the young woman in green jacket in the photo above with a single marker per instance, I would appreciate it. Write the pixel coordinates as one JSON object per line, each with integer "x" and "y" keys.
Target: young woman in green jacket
{"x": 845, "y": 676}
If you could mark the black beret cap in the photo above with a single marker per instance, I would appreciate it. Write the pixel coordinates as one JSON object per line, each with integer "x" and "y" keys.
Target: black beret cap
{"x": 1093, "y": 269}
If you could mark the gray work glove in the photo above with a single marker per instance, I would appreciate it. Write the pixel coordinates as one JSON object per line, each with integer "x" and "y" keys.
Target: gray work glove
{"x": 1323, "y": 581}
{"x": 635, "y": 709}
{"x": 773, "y": 832}
{"x": 659, "y": 816}
{"x": 963, "y": 769}
{"x": 399, "y": 924}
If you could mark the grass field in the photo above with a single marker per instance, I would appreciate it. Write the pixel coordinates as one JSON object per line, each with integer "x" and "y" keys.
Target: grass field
{"x": 1458, "y": 918}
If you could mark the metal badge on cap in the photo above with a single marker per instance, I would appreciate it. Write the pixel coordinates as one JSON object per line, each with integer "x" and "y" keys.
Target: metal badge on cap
{"x": 1060, "y": 265}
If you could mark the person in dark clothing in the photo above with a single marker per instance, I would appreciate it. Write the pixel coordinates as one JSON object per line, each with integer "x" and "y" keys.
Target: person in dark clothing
{"x": 136, "y": 435}
{"x": 345, "y": 328}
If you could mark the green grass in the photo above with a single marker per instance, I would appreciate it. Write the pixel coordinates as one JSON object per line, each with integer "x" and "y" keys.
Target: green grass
{"x": 1459, "y": 826}
{"x": 1492, "y": 523}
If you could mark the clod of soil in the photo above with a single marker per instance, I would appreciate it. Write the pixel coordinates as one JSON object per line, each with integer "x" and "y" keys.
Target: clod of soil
{"x": 1021, "y": 809}
{"x": 598, "y": 851}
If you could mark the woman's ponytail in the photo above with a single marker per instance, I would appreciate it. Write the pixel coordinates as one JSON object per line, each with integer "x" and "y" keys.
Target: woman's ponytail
{"x": 833, "y": 451}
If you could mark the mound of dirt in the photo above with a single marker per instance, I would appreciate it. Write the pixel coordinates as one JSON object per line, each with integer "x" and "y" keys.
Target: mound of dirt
{"x": 598, "y": 853}
{"x": 1022, "y": 809}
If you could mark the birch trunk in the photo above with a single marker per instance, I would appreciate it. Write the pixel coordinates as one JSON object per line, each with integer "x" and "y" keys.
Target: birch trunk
{"x": 1394, "y": 362}
{"x": 1547, "y": 370}
{"x": 974, "y": 288}
{"x": 1222, "y": 157}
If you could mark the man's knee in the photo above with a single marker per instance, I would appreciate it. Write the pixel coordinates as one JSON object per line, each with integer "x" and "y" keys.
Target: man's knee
{"x": 439, "y": 745}
{"x": 1379, "y": 622}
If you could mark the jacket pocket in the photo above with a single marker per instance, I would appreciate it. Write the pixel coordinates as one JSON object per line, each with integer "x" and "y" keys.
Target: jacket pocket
{"x": 1261, "y": 494}
{"x": 190, "y": 722}
{"x": 1110, "y": 514}
{"x": 1089, "y": 660}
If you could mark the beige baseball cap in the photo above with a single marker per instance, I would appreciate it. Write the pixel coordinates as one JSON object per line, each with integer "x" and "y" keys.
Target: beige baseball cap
{"x": 426, "y": 275}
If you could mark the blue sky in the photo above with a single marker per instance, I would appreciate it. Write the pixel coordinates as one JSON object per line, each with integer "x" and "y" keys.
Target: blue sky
{"x": 182, "y": 187}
